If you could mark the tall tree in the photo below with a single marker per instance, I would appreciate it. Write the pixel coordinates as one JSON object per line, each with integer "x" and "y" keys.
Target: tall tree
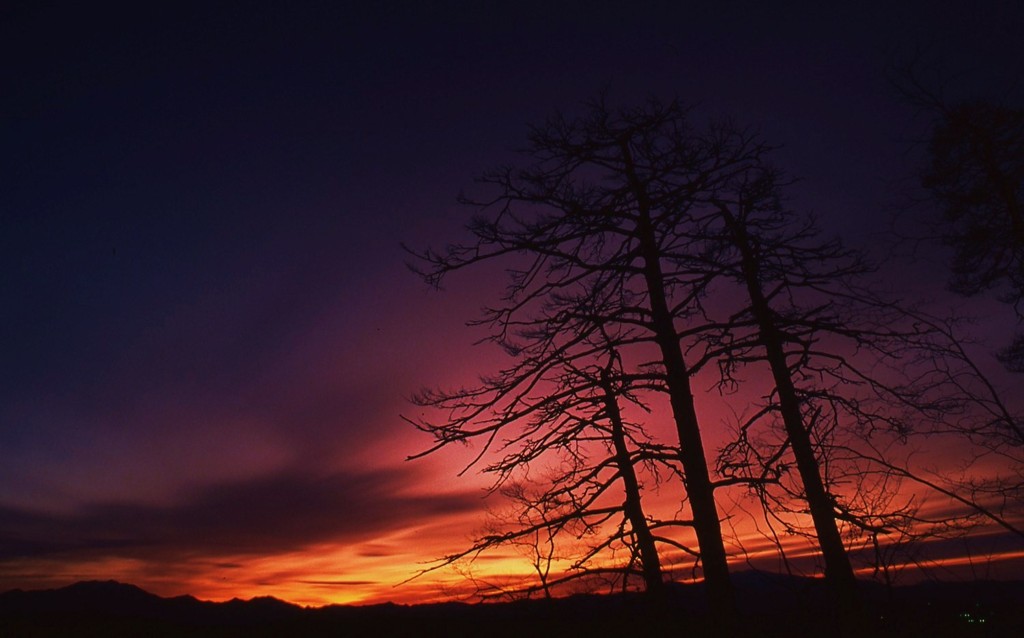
{"x": 573, "y": 432}
{"x": 632, "y": 219}
{"x": 774, "y": 255}
{"x": 646, "y": 549}
{"x": 598, "y": 210}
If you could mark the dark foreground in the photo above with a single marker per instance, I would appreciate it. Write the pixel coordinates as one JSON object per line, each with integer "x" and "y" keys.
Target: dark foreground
{"x": 772, "y": 606}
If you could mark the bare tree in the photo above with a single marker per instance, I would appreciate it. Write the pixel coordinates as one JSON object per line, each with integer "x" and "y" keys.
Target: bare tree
{"x": 779, "y": 261}
{"x": 973, "y": 174}
{"x": 641, "y": 251}
{"x": 902, "y": 383}
{"x": 625, "y": 223}
{"x": 843, "y": 360}
{"x": 576, "y": 436}
{"x": 531, "y": 510}
{"x": 596, "y": 217}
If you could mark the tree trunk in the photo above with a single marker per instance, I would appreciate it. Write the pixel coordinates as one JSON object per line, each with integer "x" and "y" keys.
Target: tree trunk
{"x": 838, "y": 572}
{"x": 697, "y": 480}
{"x": 649, "y": 560}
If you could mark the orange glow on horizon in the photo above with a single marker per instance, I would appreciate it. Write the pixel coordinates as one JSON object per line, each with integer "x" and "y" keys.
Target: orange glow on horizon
{"x": 381, "y": 571}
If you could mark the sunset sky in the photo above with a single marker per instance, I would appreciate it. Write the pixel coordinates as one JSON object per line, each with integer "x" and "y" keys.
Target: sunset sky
{"x": 208, "y": 332}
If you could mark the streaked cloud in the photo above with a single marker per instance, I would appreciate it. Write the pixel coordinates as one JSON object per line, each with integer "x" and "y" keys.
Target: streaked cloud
{"x": 276, "y": 513}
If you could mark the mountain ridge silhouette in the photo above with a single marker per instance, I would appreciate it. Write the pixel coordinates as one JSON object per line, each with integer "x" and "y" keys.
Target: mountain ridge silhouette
{"x": 775, "y": 605}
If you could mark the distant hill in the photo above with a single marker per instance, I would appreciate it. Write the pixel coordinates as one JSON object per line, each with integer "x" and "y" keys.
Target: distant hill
{"x": 773, "y": 605}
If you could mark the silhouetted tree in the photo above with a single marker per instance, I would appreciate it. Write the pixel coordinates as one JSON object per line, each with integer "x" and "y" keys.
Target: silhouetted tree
{"x": 619, "y": 232}
{"x": 646, "y": 550}
{"x": 574, "y": 433}
{"x": 871, "y": 393}
{"x": 786, "y": 272}
{"x": 843, "y": 361}
{"x": 531, "y": 512}
{"x": 600, "y": 209}
{"x": 974, "y": 174}
{"x": 950, "y": 397}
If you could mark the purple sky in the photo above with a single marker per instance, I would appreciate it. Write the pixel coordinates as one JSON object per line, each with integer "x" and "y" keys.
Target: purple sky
{"x": 207, "y": 331}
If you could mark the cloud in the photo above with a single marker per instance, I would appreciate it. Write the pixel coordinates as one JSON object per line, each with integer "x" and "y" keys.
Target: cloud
{"x": 277, "y": 513}
{"x": 338, "y": 583}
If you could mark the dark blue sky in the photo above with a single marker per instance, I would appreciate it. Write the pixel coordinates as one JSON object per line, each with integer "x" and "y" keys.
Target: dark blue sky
{"x": 201, "y": 207}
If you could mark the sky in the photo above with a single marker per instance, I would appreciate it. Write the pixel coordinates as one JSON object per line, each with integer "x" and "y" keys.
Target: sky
{"x": 208, "y": 331}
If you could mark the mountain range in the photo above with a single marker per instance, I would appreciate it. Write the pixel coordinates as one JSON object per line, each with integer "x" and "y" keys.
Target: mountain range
{"x": 772, "y": 605}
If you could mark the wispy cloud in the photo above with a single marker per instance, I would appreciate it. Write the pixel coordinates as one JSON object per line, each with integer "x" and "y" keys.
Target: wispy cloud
{"x": 281, "y": 512}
